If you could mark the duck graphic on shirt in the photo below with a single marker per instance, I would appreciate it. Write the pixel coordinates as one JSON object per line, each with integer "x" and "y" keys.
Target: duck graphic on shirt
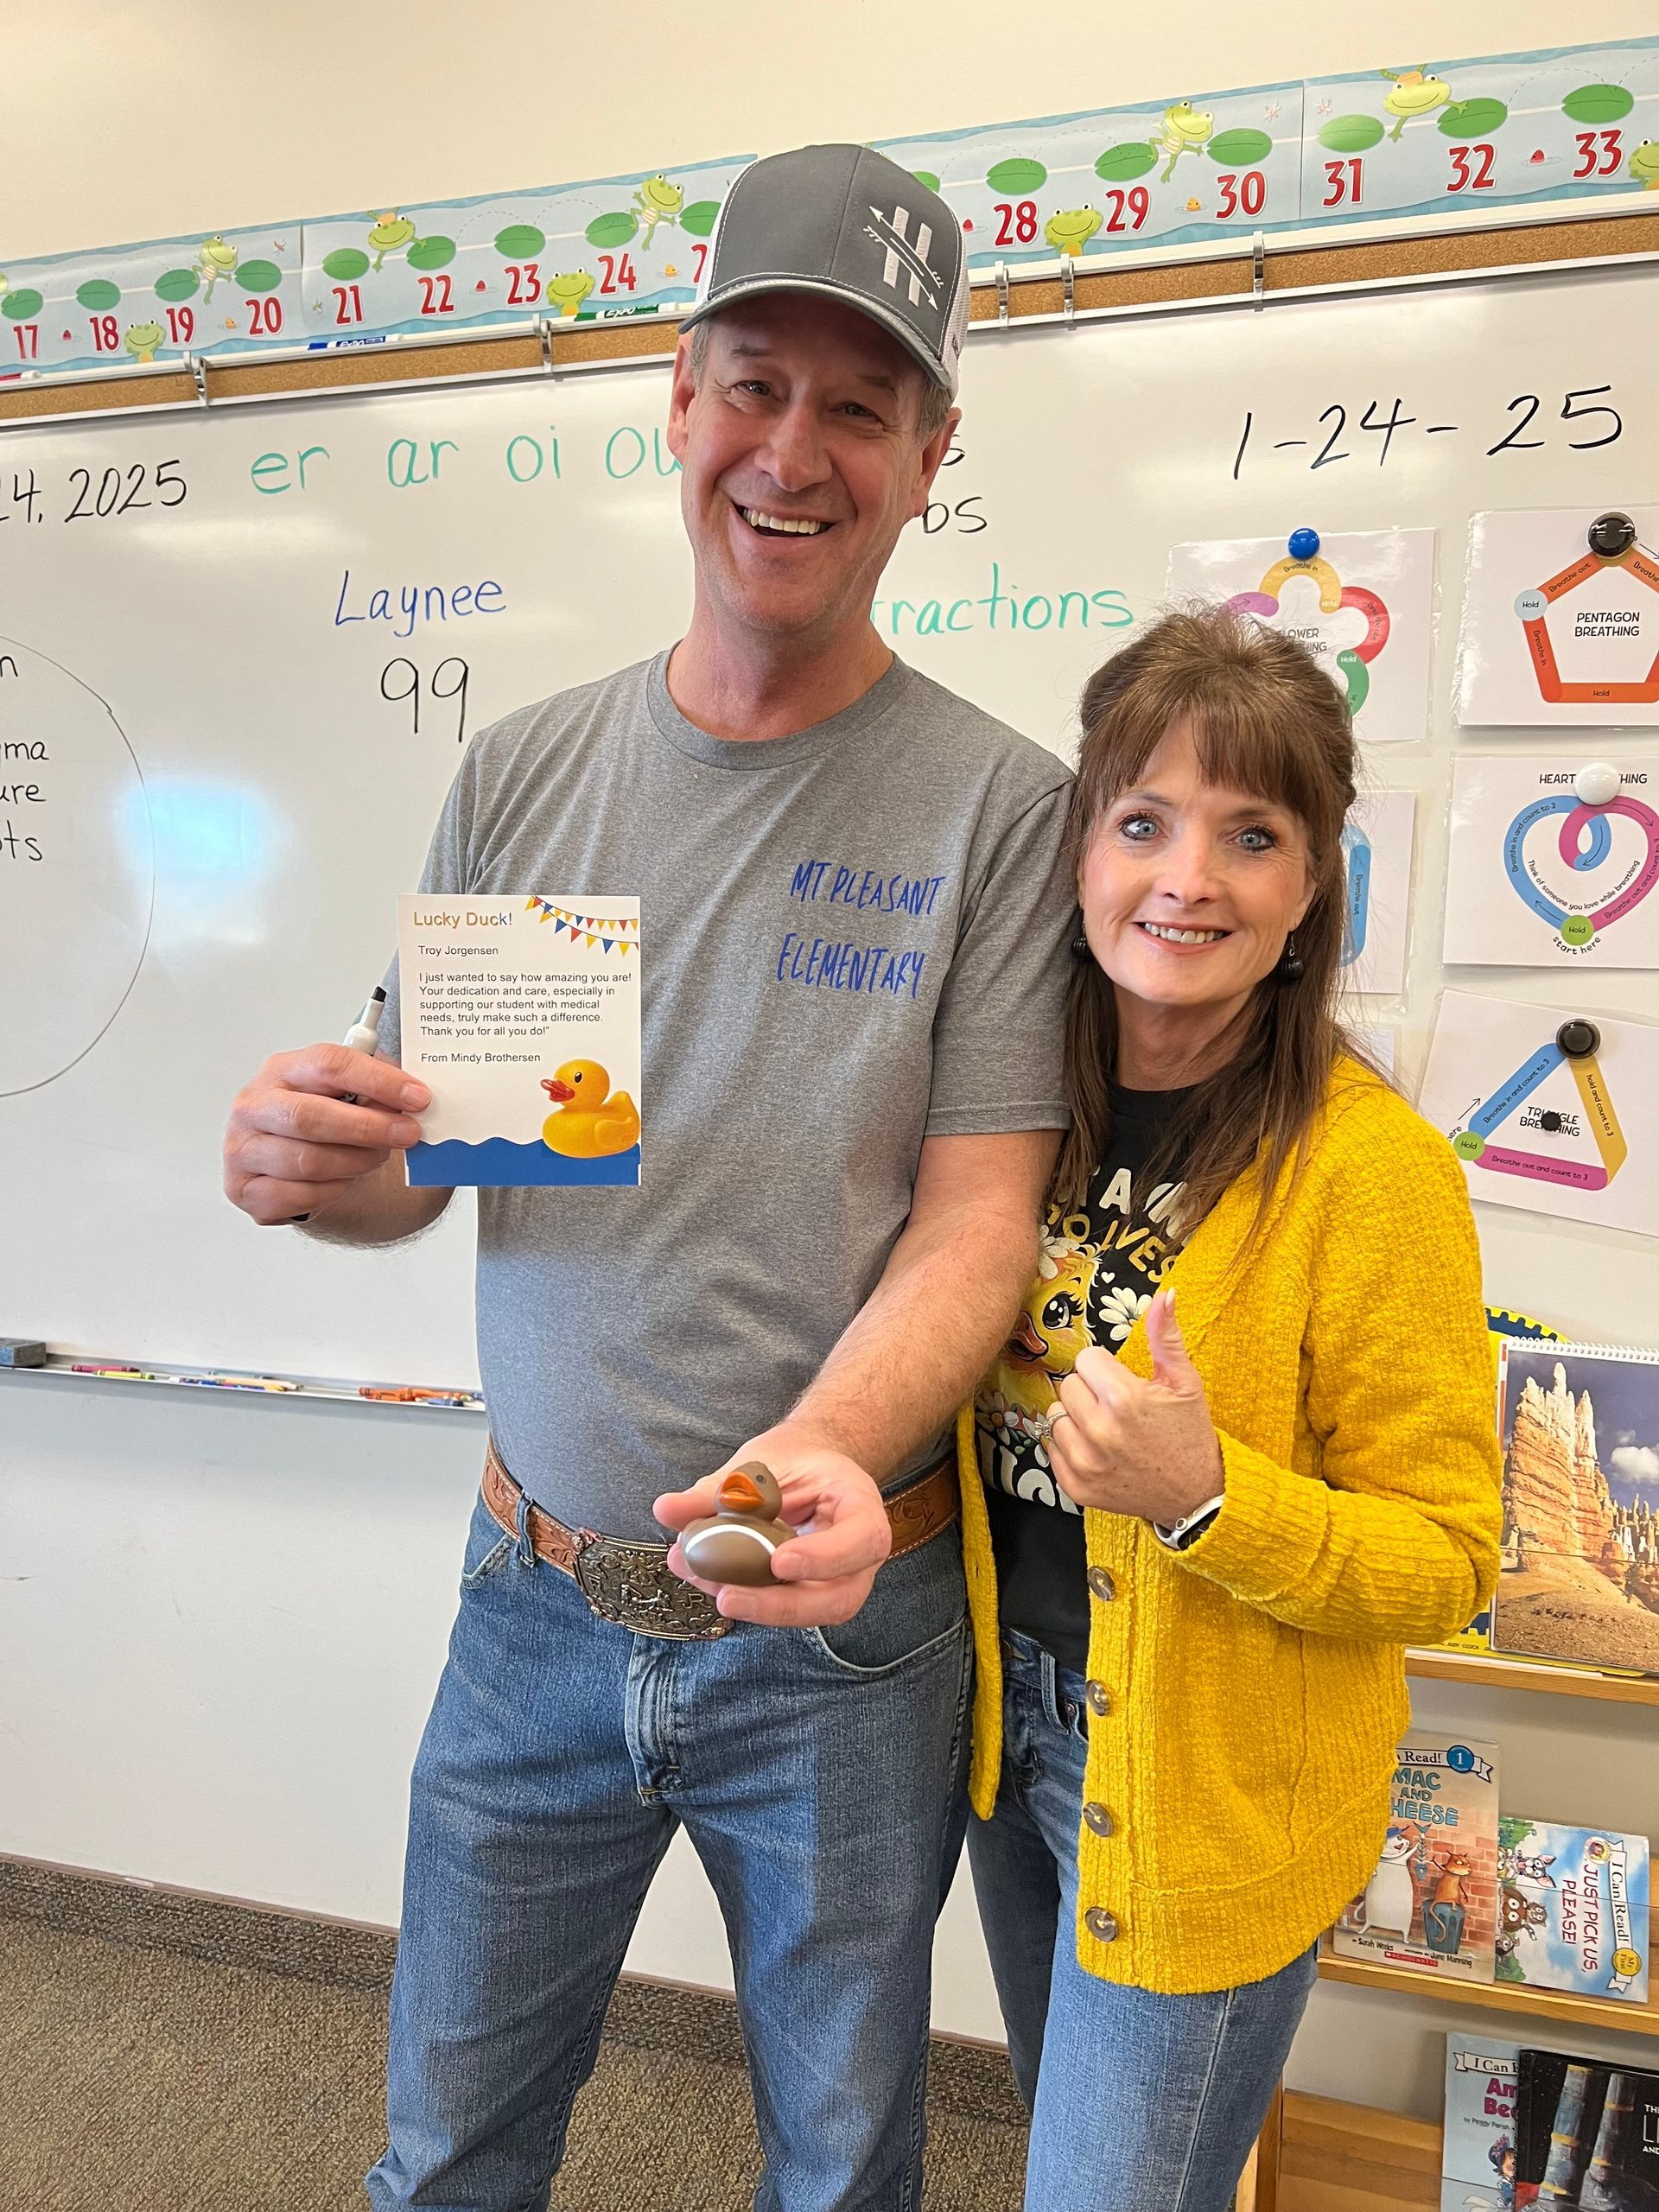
{"x": 1099, "y": 1269}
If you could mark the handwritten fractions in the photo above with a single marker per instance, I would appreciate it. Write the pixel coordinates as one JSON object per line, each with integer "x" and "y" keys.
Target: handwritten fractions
{"x": 1590, "y": 406}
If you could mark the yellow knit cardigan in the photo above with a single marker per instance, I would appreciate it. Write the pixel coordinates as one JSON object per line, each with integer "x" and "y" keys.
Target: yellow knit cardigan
{"x": 1256, "y": 1683}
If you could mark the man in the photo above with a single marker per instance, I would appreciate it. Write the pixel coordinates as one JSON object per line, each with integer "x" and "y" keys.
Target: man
{"x": 854, "y": 942}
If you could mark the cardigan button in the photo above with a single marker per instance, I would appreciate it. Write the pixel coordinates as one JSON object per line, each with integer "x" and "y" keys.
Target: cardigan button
{"x": 1098, "y": 1819}
{"x": 1101, "y": 1924}
{"x": 1099, "y": 1697}
{"x": 1103, "y": 1585}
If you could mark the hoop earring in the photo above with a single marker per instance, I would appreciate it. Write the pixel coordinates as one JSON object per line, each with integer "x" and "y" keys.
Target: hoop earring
{"x": 1291, "y": 966}
{"x": 1080, "y": 946}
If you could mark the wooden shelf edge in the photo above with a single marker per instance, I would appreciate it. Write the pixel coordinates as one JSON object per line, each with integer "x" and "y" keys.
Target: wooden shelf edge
{"x": 1336, "y": 2156}
{"x": 1532, "y": 1675}
{"x": 1561, "y": 2006}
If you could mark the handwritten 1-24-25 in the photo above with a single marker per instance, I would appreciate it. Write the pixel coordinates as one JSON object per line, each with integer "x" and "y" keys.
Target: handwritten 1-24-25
{"x": 1528, "y": 422}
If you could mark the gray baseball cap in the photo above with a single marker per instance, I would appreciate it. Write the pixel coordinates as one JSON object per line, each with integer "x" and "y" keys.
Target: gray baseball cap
{"x": 848, "y": 223}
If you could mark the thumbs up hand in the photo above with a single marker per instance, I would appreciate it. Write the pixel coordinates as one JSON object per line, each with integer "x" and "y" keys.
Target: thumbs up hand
{"x": 1123, "y": 1444}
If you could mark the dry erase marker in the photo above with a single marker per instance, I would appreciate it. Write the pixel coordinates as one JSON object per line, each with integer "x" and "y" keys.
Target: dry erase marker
{"x": 364, "y": 1033}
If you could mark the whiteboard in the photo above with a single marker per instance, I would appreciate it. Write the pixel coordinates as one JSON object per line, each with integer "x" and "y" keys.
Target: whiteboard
{"x": 232, "y": 804}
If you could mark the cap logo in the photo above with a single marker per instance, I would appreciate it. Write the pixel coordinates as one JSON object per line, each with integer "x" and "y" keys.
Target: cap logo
{"x": 901, "y": 257}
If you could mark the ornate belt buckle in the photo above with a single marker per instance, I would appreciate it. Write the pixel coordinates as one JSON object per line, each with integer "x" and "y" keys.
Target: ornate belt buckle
{"x": 634, "y": 1585}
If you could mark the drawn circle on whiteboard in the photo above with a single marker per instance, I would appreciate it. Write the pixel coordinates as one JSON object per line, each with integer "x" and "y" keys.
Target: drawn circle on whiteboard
{"x": 77, "y": 868}
{"x": 1468, "y": 1144}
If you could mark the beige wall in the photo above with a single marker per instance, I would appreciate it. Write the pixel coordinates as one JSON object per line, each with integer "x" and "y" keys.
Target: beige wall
{"x": 164, "y": 116}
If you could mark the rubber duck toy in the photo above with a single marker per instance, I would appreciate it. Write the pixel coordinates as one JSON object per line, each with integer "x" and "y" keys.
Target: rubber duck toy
{"x": 735, "y": 1544}
{"x": 588, "y": 1120}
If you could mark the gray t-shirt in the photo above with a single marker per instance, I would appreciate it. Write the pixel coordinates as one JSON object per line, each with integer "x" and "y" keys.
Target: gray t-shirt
{"x": 852, "y": 937}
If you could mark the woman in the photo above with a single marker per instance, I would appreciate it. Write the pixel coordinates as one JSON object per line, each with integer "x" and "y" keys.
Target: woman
{"x": 1238, "y": 1452}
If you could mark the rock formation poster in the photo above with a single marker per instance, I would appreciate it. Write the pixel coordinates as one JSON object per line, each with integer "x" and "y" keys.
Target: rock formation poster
{"x": 1580, "y": 1561}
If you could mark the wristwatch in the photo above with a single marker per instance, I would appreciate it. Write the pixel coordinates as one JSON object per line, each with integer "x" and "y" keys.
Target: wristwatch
{"x": 1180, "y": 1536}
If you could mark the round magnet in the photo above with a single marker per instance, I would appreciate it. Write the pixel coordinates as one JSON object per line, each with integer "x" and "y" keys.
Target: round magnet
{"x": 1611, "y": 537}
{"x": 1597, "y": 783}
{"x": 1578, "y": 1038}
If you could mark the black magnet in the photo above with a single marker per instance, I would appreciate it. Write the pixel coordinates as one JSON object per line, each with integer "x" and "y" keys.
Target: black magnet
{"x": 1611, "y": 537}
{"x": 1579, "y": 1038}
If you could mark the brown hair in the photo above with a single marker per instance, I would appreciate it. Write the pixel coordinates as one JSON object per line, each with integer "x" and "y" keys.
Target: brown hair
{"x": 1265, "y": 719}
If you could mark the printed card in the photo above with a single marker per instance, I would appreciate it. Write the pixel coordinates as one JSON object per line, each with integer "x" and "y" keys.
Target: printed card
{"x": 1540, "y": 878}
{"x": 1560, "y": 619}
{"x": 522, "y": 1015}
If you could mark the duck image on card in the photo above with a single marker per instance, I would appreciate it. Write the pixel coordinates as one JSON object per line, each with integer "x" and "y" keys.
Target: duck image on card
{"x": 522, "y": 1015}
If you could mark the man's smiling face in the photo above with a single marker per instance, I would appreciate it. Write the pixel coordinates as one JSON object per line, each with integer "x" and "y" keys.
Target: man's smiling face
{"x": 803, "y": 460}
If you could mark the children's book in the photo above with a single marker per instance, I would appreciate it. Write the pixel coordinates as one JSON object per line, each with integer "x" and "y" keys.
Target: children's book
{"x": 1573, "y": 1909}
{"x": 1586, "y": 2134}
{"x": 1477, "y": 2163}
{"x": 1433, "y": 1900}
{"x": 1623, "y": 2172}
{"x": 1551, "y": 2090}
{"x": 1580, "y": 1581}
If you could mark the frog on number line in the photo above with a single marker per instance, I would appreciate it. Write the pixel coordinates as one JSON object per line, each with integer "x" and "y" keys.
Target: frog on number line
{"x": 1186, "y": 131}
{"x": 143, "y": 338}
{"x": 658, "y": 201}
{"x": 1069, "y": 229}
{"x": 567, "y": 289}
{"x": 1644, "y": 163}
{"x": 1415, "y": 93}
{"x": 214, "y": 259}
{"x": 390, "y": 231}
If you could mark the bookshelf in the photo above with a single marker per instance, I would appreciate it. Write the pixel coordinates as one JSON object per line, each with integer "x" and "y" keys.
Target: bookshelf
{"x": 1314, "y": 2155}
{"x": 1551, "y": 2010}
{"x": 1532, "y": 1675}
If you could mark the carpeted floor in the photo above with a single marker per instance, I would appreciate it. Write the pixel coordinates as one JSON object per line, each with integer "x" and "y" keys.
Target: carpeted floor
{"x": 159, "y": 2054}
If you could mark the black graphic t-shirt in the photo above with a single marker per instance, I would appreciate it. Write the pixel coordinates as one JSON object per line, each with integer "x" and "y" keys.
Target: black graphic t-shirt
{"x": 1100, "y": 1267}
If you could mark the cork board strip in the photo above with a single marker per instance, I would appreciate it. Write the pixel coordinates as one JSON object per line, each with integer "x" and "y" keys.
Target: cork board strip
{"x": 1585, "y": 240}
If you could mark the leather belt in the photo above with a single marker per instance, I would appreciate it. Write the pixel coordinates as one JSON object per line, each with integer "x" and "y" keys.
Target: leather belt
{"x": 633, "y": 1584}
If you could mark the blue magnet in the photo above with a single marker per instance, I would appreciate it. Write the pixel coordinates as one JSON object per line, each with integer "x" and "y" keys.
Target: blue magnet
{"x": 1304, "y": 544}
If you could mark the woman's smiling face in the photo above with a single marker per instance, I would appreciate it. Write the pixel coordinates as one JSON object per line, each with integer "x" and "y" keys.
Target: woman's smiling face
{"x": 1190, "y": 889}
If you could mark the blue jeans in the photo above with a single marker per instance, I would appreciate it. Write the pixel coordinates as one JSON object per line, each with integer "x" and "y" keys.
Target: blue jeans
{"x": 1139, "y": 2102}
{"x": 819, "y": 1775}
